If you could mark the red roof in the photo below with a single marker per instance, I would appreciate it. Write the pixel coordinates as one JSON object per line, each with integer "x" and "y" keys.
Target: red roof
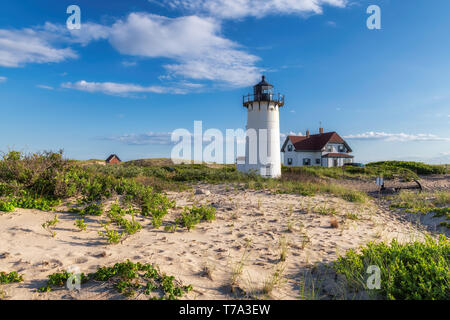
{"x": 315, "y": 142}
{"x": 337, "y": 155}
{"x": 112, "y": 157}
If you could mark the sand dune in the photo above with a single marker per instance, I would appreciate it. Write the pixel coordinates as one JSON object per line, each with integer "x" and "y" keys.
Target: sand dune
{"x": 248, "y": 224}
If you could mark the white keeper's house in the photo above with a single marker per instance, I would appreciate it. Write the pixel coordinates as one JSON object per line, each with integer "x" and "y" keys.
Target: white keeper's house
{"x": 322, "y": 149}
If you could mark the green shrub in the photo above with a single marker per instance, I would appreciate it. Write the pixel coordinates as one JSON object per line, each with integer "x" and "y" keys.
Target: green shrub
{"x": 416, "y": 167}
{"x": 412, "y": 271}
{"x": 128, "y": 277}
{"x": 7, "y": 206}
{"x": 6, "y": 278}
{"x": 190, "y": 217}
{"x": 80, "y": 224}
{"x": 94, "y": 209}
{"x": 116, "y": 214}
{"x": 423, "y": 203}
{"x": 28, "y": 202}
{"x": 50, "y": 223}
{"x": 112, "y": 236}
{"x": 59, "y": 279}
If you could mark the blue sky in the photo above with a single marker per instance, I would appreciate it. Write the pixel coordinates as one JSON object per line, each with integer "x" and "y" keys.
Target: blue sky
{"x": 139, "y": 69}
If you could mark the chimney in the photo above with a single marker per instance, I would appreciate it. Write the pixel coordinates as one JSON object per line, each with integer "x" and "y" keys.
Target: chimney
{"x": 307, "y": 133}
{"x": 321, "y": 130}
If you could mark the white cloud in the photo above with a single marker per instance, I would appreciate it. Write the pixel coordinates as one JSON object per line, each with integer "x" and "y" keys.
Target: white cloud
{"x": 165, "y": 138}
{"x": 19, "y": 47}
{"x": 283, "y": 136}
{"x": 119, "y": 89}
{"x": 195, "y": 43}
{"x": 331, "y": 24}
{"x": 3, "y": 79}
{"x": 159, "y": 138}
{"x": 395, "y": 137}
{"x": 129, "y": 63}
{"x": 89, "y": 32}
{"x": 194, "y": 46}
{"x": 232, "y": 9}
{"x": 43, "y": 86}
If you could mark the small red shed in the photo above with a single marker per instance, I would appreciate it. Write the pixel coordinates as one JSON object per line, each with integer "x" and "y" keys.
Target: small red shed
{"x": 113, "y": 159}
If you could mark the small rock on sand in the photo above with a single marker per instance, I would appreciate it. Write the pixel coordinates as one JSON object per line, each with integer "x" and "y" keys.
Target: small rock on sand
{"x": 203, "y": 191}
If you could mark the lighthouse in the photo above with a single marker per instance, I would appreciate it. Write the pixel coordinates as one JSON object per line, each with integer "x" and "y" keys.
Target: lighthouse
{"x": 262, "y": 149}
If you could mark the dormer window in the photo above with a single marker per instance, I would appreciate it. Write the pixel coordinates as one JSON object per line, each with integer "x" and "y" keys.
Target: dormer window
{"x": 329, "y": 148}
{"x": 290, "y": 148}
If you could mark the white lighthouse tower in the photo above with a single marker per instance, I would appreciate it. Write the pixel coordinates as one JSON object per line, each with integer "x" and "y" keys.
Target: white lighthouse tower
{"x": 262, "y": 150}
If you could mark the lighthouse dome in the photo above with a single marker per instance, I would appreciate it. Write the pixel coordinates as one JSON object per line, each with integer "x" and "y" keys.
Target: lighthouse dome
{"x": 263, "y": 87}
{"x": 263, "y": 91}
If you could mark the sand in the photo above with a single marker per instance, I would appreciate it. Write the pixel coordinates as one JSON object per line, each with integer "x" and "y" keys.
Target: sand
{"x": 248, "y": 224}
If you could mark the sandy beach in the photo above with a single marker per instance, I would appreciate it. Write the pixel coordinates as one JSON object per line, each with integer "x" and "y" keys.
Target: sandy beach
{"x": 251, "y": 229}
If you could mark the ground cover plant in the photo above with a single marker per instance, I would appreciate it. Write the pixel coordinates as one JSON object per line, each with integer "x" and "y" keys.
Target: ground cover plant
{"x": 79, "y": 223}
{"x": 193, "y": 216}
{"x": 437, "y": 203}
{"x": 116, "y": 215}
{"x": 416, "y": 167}
{"x": 49, "y": 224}
{"x": 60, "y": 279}
{"x": 9, "y": 204}
{"x": 350, "y": 172}
{"x": 42, "y": 180}
{"x": 304, "y": 181}
{"x": 6, "y": 278}
{"x": 48, "y": 177}
{"x": 129, "y": 279}
{"x": 411, "y": 271}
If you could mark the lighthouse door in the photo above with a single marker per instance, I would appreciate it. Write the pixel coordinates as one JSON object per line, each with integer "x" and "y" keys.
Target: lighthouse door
{"x": 335, "y": 162}
{"x": 266, "y": 171}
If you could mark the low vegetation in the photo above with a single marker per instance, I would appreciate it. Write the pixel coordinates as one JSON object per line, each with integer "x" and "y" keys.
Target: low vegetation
{"x": 46, "y": 178}
{"x": 79, "y": 223}
{"x": 7, "y": 278}
{"x": 49, "y": 224}
{"x": 112, "y": 236}
{"x": 127, "y": 278}
{"x": 388, "y": 169}
{"x": 388, "y": 172}
{"x": 193, "y": 216}
{"x": 116, "y": 215}
{"x": 274, "y": 280}
{"x": 437, "y": 203}
{"x": 60, "y": 279}
{"x": 411, "y": 271}
{"x": 416, "y": 167}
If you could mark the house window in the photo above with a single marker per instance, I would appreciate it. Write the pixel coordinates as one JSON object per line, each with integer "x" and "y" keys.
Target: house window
{"x": 318, "y": 161}
{"x": 290, "y": 161}
{"x": 329, "y": 148}
{"x": 306, "y": 162}
{"x": 290, "y": 147}
{"x": 341, "y": 149}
